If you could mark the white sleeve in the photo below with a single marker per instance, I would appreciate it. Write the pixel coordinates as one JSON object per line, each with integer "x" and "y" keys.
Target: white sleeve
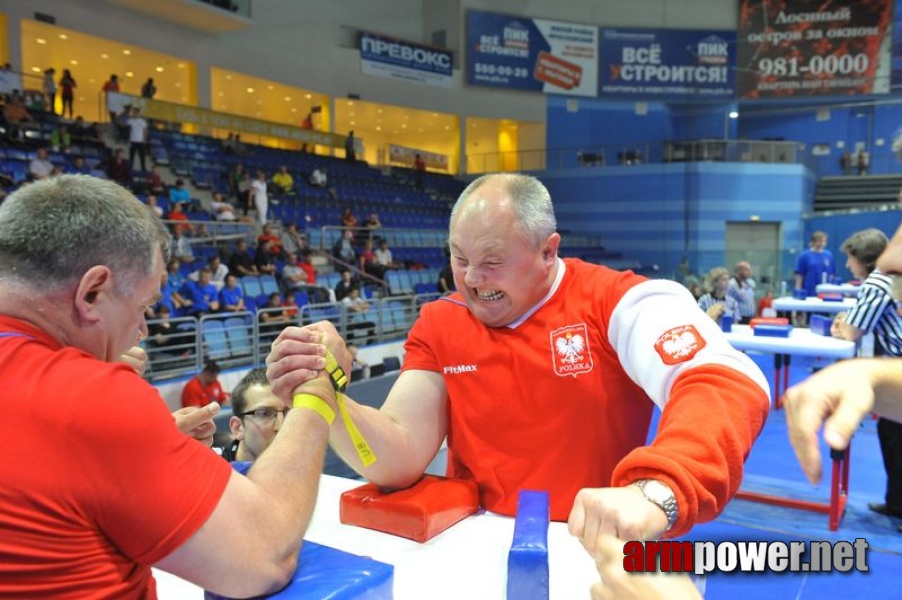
{"x": 659, "y": 315}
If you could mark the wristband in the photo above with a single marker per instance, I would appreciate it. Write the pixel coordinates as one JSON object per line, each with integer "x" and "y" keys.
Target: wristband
{"x": 316, "y": 404}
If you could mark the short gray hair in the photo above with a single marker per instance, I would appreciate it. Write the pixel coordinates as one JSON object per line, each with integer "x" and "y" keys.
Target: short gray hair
{"x": 53, "y": 231}
{"x": 530, "y": 199}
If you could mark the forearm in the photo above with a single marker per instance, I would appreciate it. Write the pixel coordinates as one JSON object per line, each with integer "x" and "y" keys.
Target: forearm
{"x": 886, "y": 378}
{"x": 287, "y": 477}
{"x": 705, "y": 434}
{"x": 399, "y": 463}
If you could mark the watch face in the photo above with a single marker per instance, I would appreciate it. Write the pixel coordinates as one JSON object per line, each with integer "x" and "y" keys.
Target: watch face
{"x": 658, "y": 491}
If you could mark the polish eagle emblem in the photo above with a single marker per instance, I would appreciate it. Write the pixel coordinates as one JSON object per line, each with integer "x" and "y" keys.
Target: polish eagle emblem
{"x": 570, "y": 350}
{"x": 679, "y": 344}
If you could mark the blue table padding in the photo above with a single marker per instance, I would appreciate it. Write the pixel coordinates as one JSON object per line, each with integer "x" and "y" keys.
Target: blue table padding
{"x": 325, "y": 573}
{"x": 820, "y": 324}
{"x": 527, "y": 562}
{"x": 773, "y": 330}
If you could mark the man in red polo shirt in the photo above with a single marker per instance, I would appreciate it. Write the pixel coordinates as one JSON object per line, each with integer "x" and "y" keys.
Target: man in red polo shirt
{"x": 204, "y": 388}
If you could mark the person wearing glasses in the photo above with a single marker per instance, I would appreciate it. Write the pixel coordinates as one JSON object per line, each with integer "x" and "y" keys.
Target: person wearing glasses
{"x": 257, "y": 415}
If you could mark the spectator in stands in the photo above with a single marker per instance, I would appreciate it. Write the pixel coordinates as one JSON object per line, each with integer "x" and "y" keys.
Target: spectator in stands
{"x": 16, "y": 117}
{"x": 203, "y": 295}
{"x": 373, "y": 223}
{"x": 318, "y": 178}
{"x": 204, "y": 388}
{"x": 148, "y": 90}
{"x": 222, "y": 210}
{"x": 264, "y": 259}
{"x": 716, "y": 302}
{"x": 260, "y": 198}
{"x": 344, "y": 248}
{"x": 291, "y": 240}
{"x": 67, "y": 92}
{"x": 155, "y": 181}
{"x": 511, "y": 285}
{"x": 344, "y": 285}
{"x": 236, "y": 174}
{"x": 272, "y": 321}
{"x": 218, "y": 272}
{"x": 360, "y": 369}
{"x": 40, "y": 167}
{"x": 84, "y": 131}
{"x": 241, "y": 263}
{"x": 815, "y": 265}
{"x": 290, "y": 304}
{"x": 368, "y": 261}
{"x": 244, "y": 192}
{"x": 177, "y": 214}
{"x": 154, "y": 206}
{"x": 138, "y": 132}
{"x": 170, "y": 295}
{"x": 49, "y": 88}
{"x": 257, "y": 416}
{"x": 158, "y": 498}
{"x": 358, "y": 312}
{"x": 110, "y": 85}
{"x": 384, "y": 256}
{"x": 174, "y": 274}
{"x": 742, "y": 289}
{"x": 445, "y": 282}
{"x": 419, "y": 166}
{"x": 163, "y": 336}
{"x": 179, "y": 193}
{"x": 283, "y": 182}
{"x": 299, "y": 274}
{"x": 348, "y": 220}
{"x": 307, "y": 125}
{"x": 862, "y": 161}
{"x": 231, "y": 297}
{"x": 845, "y": 162}
{"x": 78, "y": 166}
{"x": 118, "y": 169}
{"x": 350, "y": 148}
{"x": 228, "y": 144}
{"x": 275, "y": 242}
{"x": 61, "y": 139}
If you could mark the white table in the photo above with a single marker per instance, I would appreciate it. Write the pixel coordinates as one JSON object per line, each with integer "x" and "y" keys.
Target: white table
{"x": 812, "y": 304}
{"x": 469, "y": 560}
{"x": 801, "y": 342}
{"x": 846, "y": 289}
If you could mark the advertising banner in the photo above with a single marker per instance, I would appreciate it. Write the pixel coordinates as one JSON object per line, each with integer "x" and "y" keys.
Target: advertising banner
{"x": 406, "y": 156}
{"x": 667, "y": 63}
{"x": 811, "y": 48}
{"x": 396, "y": 59}
{"x": 532, "y": 54}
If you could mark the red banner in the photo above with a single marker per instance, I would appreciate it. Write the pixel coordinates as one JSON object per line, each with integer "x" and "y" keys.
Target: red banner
{"x": 813, "y": 47}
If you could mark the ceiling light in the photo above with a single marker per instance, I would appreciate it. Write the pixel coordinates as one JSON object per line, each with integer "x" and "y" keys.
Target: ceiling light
{"x": 287, "y": 98}
{"x": 379, "y": 111}
{"x": 353, "y": 123}
{"x": 104, "y": 56}
{"x": 378, "y": 128}
{"x": 181, "y": 65}
{"x": 447, "y": 127}
{"x": 294, "y": 110}
{"x": 229, "y": 77}
{"x": 36, "y": 69}
{"x": 350, "y": 103}
{"x": 177, "y": 84}
{"x": 41, "y": 41}
{"x": 220, "y": 94}
{"x": 250, "y": 90}
{"x": 129, "y": 74}
{"x": 403, "y": 125}
{"x": 269, "y": 87}
{"x": 126, "y": 51}
{"x": 63, "y": 36}
{"x": 73, "y": 62}
{"x": 159, "y": 69}
{"x": 308, "y": 96}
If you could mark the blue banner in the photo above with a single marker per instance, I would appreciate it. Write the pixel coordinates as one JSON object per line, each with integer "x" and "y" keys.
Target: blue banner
{"x": 396, "y": 59}
{"x": 531, "y": 54}
{"x": 667, "y": 63}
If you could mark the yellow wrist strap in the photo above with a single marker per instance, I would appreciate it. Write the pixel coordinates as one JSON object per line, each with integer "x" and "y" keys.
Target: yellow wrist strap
{"x": 316, "y": 404}
{"x": 340, "y": 382}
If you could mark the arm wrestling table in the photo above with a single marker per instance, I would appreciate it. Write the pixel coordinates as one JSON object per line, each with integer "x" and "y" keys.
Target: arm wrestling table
{"x": 801, "y": 342}
{"x": 469, "y": 560}
{"x": 846, "y": 289}
{"x": 813, "y": 304}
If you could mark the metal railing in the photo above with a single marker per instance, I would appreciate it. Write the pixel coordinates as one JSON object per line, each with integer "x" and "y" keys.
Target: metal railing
{"x": 180, "y": 346}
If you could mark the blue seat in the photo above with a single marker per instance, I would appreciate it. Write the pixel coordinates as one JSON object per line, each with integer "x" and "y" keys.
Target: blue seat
{"x": 216, "y": 345}
{"x": 240, "y": 336}
{"x": 251, "y": 286}
{"x": 268, "y": 283}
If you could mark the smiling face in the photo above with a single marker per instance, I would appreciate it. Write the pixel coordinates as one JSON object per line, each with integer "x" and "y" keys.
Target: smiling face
{"x": 498, "y": 269}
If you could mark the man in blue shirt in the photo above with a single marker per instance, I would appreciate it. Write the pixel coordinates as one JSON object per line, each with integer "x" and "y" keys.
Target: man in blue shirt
{"x": 815, "y": 265}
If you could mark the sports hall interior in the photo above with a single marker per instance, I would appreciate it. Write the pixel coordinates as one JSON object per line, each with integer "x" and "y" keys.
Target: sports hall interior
{"x": 666, "y": 188}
